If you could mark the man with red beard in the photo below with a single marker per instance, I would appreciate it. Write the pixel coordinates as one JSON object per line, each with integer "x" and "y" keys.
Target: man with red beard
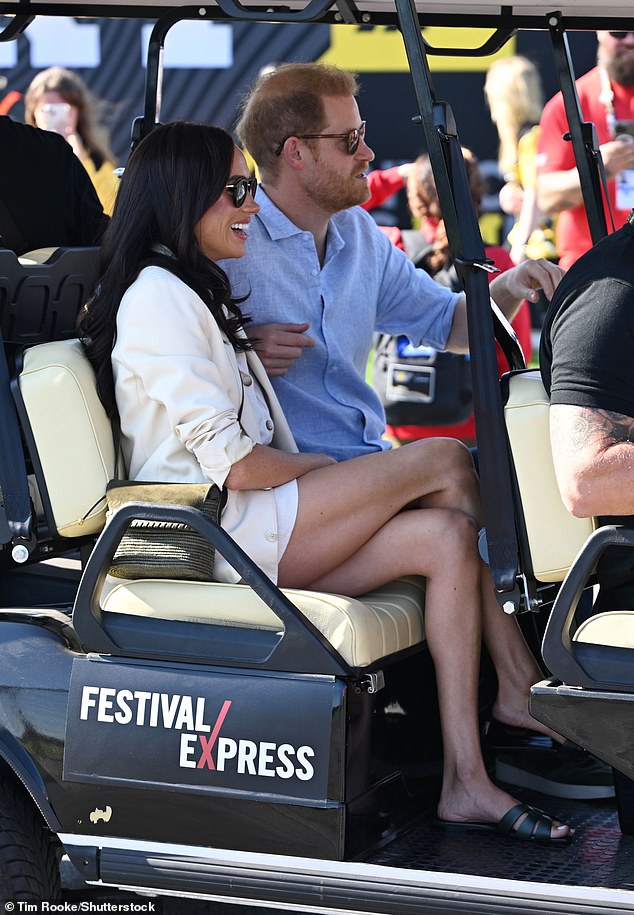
{"x": 320, "y": 275}
{"x": 606, "y": 97}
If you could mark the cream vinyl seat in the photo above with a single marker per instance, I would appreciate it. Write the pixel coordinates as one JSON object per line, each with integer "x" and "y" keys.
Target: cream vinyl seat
{"x": 554, "y": 535}
{"x": 614, "y": 627}
{"x": 74, "y": 446}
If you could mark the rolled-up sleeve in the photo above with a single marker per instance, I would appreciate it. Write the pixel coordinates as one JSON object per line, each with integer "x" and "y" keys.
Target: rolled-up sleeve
{"x": 412, "y": 303}
{"x": 174, "y": 355}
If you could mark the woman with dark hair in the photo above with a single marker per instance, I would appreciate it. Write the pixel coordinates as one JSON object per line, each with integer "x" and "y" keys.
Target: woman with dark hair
{"x": 167, "y": 342}
{"x": 59, "y": 100}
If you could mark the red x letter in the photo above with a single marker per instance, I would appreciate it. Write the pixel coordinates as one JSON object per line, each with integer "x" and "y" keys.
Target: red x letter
{"x": 207, "y": 744}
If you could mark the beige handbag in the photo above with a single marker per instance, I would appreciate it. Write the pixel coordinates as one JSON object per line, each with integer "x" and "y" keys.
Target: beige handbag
{"x": 165, "y": 549}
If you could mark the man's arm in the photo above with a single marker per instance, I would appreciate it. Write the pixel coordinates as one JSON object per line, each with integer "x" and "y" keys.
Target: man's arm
{"x": 508, "y": 291}
{"x": 561, "y": 190}
{"x": 593, "y": 452}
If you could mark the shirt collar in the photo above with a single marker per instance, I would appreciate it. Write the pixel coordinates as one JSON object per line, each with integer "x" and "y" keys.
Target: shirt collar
{"x": 274, "y": 221}
{"x": 278, "y": 225}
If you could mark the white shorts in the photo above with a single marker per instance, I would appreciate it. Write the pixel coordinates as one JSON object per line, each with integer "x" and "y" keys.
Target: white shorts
{"x": 286, "y": 502}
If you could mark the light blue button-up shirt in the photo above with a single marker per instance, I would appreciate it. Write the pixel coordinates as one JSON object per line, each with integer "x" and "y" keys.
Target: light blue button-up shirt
{"x": 365, "y": 285}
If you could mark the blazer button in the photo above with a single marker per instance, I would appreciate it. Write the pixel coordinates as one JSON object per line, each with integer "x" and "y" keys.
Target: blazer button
{"x": 246, "y": 379}
{"x": 269, "y": 424}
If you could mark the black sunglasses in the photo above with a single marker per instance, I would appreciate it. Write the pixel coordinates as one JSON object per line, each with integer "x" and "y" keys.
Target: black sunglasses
{"x": 620, "y": 35}
{"x": 240, "y": 187}
{"x": 352, "y": 137}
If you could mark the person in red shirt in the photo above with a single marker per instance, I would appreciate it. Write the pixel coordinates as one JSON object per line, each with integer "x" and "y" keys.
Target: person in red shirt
{"x": 424, "y": 205}
{"x": 606, "y": 97}
{"x": 383, "y": 183}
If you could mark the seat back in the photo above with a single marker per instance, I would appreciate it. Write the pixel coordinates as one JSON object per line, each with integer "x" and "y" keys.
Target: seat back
{"x": 553, "y": 535}
{"x": 41, "y": 301}
{"x": 40, "y": 297}
{"x": 71, "y": 441}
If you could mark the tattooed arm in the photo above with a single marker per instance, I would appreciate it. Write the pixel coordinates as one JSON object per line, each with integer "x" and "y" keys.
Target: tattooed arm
{"x": 593, "y": 451}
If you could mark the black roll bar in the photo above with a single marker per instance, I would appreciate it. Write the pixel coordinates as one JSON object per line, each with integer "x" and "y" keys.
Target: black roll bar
{"x": 466, "y": 243}
{"x": 582, "y": 134}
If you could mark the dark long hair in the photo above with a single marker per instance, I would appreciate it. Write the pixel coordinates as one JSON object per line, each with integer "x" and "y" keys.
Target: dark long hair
{"x": 172, "y": 178}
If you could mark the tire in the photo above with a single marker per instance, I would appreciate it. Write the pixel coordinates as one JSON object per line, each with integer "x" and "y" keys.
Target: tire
{"x": 29, "y": 864}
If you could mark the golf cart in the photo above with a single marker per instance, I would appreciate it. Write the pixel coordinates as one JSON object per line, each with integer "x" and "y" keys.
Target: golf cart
{"x": 248, "y": 743}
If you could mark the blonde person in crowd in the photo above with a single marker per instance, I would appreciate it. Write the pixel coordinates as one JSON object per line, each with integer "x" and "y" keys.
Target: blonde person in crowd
{"x": 514, "y": 95}
{"x": 59, "y": 100}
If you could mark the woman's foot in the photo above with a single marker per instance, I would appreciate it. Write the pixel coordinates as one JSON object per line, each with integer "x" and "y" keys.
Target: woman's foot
{"x": 518, "y": 716}
{"x": 483, "y": 803}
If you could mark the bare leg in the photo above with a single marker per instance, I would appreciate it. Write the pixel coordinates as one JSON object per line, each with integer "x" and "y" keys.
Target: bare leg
{"x": 341, "y": 506}
{"x": 516, "y": 668}
{"x": 439, "y": 544}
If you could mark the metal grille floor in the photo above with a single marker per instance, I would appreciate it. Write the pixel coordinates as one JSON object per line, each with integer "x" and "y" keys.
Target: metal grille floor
{"x": 598, "y": 856}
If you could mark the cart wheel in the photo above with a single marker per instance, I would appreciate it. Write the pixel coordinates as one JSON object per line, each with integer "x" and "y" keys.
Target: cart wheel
{"x": 29, "y": 864}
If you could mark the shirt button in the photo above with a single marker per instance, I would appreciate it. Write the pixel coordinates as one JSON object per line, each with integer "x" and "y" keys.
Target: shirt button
{"x": 313, "y": 272}
{"x": 269, "y": 424}
{"x": 271, "y": 536}
{"x": 246, "y": 379}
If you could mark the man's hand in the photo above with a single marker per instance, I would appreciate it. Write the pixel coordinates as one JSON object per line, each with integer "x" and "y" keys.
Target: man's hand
{"x": 279, "y": 345}
{"x": 508, "y": 291}
{"x": 524, "y": 282}
{"x": 617, "y": 155}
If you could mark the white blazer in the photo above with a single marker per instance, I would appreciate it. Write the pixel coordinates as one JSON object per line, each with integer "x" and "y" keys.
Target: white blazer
{"x": 179, "y": 387}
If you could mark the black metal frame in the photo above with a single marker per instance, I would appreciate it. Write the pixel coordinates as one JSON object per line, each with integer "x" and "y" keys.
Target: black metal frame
{"x": 335, "y": 11}
{"x": 121, "y": 637}
{"x": 580, "y": 663}
{"x": 441, "y": 139}
{"x": 582, "y": 135}
{"x": 301, "y": 649}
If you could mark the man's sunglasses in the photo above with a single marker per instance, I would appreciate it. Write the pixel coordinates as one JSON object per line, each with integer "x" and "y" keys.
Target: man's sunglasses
{"x": 620, "y": 35}
{"x": 352, "y": 137}
{"x": 240, "y": 187}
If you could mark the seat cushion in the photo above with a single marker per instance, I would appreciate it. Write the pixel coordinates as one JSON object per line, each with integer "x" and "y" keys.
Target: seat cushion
{"x": 554, "y": 535}
{"x": 614, "y": 628}
{"x": 363, "y": 630}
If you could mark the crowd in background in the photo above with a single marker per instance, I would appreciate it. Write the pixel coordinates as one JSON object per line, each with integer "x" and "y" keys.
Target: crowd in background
{"x": 539, "y": 196}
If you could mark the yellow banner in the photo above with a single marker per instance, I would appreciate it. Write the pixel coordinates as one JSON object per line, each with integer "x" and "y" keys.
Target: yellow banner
{"x": 380, "y": 49}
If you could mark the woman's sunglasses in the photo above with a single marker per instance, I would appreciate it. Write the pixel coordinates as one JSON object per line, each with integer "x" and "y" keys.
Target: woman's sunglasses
{"x": 620, "y": 35}
{"x": 240, "y": 187}
{"x": 352, "y": 137}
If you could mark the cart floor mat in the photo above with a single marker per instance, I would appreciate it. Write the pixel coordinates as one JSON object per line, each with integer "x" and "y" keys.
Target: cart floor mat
{"x": 599, "y": 855}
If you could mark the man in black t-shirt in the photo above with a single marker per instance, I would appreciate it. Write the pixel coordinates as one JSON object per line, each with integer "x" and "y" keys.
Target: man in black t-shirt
{"x": 46, "y": 196}
{"x": 587, "y": 364}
